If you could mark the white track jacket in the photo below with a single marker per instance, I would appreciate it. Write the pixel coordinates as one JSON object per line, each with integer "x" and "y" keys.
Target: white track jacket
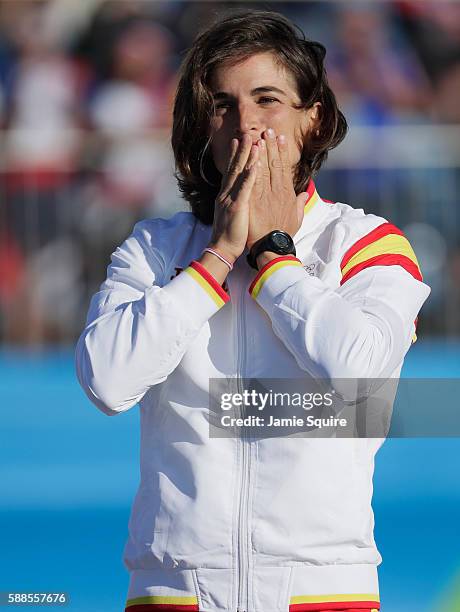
{"x": 266, "y": 525}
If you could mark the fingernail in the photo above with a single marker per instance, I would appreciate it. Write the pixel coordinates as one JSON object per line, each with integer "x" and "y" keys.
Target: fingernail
{"x": 271, "y": 133}
{"x": 282, "y": 138}
{"x": 262, "y": 144}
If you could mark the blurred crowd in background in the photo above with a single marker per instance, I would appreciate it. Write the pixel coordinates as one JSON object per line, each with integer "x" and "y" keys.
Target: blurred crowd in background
{"x": 86, "y": 90}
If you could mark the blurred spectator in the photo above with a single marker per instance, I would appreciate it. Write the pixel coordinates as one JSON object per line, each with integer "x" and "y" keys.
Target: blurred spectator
{"x": 42, "y": 142}
{"x": 127, "y": 108}
{"x": 434, "y": 29}
{"x": 95, "y": 44}
{"x": 376, "y": 76}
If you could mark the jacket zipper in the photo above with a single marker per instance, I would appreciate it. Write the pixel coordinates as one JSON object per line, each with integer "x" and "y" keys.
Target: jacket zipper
{"x": 243, "y": 555}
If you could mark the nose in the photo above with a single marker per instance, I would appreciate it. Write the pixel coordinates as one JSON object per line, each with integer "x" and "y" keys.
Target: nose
{"x": 247, "y": 120}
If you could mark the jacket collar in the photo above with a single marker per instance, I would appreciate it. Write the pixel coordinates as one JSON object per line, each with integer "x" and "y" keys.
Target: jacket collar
{"x": 312, "y": 197}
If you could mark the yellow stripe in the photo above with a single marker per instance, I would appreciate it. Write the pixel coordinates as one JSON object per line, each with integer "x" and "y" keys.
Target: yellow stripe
{"x": 311, "y": 202}
{"x": 392, "y": 244}
{"x": 271, "y": 270}
{"x": 163, "y": 599}
{"x": 206, "y": 286}
{"x": 298, "y": 599}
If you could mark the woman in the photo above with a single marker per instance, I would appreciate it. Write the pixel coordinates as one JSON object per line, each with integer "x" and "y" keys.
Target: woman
{"x": 262, "y": 279}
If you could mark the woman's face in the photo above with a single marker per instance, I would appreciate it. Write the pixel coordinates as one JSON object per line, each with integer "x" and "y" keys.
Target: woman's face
{"x": 251, "y": 96}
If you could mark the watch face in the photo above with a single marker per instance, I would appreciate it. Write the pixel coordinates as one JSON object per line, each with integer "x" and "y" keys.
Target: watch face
{"x": 281, "y": 241}
{"x": 276, "y": 242}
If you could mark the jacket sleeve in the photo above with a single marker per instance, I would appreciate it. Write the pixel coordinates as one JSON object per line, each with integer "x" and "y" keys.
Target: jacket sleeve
{"x": 137, "y": 330}
{"x": 362, "y": 329}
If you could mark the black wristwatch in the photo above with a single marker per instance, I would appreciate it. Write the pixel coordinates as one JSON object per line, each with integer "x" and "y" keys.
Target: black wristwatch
{"x": 276, "y": 242}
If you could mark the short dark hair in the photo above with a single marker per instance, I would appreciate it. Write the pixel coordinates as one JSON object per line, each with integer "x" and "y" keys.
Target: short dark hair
{"x": 229, "y": 40}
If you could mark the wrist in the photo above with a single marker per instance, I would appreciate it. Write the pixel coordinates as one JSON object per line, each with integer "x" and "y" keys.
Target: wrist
{"x": 224, "y": 251}
{"x": 219, "y": 257}
{"x": 276, "y": 242}
{"x": 264, "y": 258}
{"x": 217, "y": 268}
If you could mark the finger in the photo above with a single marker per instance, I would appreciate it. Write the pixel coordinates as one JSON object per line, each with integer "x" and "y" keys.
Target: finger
{"x": 253, "y": 165}
{"x": 263, "y": 170}
{"x": 253, "y": 156}
{"x": 233, "y": 149}
{"x": 245, "y": 180}
{"x": 274, "y": 162}
{"x": 283, "y": 152}
{"x": 226, "y": 183}
{"x": 237, "y": 163}
{"x": 241, "y": 156}
{"x": 248, "y": 182}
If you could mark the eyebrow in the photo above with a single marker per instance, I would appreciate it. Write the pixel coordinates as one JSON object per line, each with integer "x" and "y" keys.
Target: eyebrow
{"x": 263, "y": 89}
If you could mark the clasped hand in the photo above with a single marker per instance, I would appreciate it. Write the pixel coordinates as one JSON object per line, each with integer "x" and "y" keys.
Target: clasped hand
{"x": 257, "y": 195}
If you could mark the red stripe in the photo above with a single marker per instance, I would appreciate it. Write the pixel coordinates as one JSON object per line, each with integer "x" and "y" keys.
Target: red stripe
{"x": 388, "y": 259}
{"x": 269, "y": 265}
{"x": 211, "y": 280}
{"x": 328, "y": 201}
{"x": 166, "y": 607}
{"x": 375, "y": 234}
{"x": 339, "y": 605}
{"x": 310, "y": 189}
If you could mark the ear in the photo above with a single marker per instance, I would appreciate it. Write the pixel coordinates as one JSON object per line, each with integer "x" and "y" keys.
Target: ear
{"x": 313, "y": 115}
{"x": 311, "y": 119}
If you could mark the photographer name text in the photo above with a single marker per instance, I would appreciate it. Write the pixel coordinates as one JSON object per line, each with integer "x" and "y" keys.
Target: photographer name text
{"x": 259, "y": 421}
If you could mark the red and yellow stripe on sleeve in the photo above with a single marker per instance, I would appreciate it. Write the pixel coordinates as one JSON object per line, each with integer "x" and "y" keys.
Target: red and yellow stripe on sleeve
{"x": 364, "y": 602}
{"x": 270, "y": 268}
{"x": 207, "y": 281}
{"x": 165, "y": 603}
{"x": 385, "y": 245}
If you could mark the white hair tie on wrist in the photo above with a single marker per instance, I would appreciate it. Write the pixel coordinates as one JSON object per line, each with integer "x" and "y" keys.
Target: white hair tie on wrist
{"x": 225, "y": 261}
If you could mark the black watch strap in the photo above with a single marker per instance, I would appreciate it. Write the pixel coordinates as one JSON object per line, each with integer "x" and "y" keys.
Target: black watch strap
{"x": 278, "y": 242}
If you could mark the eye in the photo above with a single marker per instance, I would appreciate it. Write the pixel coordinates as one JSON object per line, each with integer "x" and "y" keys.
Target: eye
{"x": 267, "y": 100}
{"x": 221, "y": 107}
